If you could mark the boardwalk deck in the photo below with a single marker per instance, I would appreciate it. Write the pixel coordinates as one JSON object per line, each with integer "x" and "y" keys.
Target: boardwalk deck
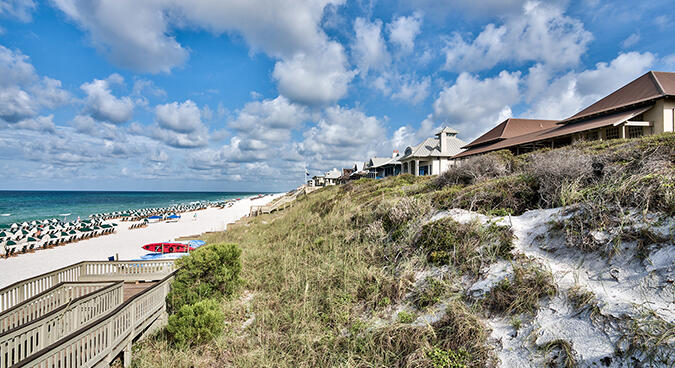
{"x": 83, "y": 315}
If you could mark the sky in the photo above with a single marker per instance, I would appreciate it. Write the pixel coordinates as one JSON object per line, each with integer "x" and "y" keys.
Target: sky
{"x": 222, "y": 95}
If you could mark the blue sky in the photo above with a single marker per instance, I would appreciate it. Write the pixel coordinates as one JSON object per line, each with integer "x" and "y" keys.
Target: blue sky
{"x": 243, "y": 95}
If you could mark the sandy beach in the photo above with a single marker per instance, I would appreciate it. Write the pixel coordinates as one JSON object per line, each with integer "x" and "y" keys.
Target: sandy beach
{"x": 124, "y": 242}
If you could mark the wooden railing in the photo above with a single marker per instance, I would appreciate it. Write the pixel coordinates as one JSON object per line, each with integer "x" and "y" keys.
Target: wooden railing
{"x": 46, "y": 302}
{"x": 19, "y": 343}
{"x": 277, "y": 205}
{"x": 100, "y": 341}
{"x": 84, "y": 271}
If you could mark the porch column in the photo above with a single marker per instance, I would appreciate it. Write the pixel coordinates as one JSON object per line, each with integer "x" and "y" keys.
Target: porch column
{"x": 623, "y": 130}
{"x": 417, "y": 167}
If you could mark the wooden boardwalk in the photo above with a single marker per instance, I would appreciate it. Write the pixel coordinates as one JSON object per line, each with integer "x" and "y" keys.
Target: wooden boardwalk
{"x": 84, "y": 315}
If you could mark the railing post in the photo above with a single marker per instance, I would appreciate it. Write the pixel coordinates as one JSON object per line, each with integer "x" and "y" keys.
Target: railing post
{"x": 126, "y": 358}
{"x": 83, "y": 270}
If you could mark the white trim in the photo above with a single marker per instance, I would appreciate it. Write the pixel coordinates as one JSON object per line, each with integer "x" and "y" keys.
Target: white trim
{"x": 639, "y": 123}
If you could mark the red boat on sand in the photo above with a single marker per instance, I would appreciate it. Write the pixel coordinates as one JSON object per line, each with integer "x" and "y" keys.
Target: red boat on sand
{"x": 168, "y": 247}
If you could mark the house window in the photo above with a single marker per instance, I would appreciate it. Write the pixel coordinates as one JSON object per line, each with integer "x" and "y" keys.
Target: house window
{"x": 612, "y": 133}
{"x": 591, "y": 136}
{"x": 635, "y": 131}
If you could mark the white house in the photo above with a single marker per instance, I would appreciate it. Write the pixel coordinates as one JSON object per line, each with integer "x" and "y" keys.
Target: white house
{"x": 433, "y": 156}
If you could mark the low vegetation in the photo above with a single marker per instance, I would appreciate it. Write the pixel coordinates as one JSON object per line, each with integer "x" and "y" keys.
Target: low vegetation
{"x": 466, "y": 247}
{"x": 196, "y": 323}
{"x": 521, "y": 292}
{"x": 352, "y": 275}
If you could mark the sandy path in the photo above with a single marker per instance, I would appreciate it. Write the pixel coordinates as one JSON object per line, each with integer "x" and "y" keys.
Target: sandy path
{"x": 127, "y": 243}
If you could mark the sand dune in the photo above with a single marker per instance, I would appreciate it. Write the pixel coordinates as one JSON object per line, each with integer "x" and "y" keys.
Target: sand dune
{"x": 126, "y": 243}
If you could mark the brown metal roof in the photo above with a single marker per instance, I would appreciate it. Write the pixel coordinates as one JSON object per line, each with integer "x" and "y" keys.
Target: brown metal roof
{"x": 510, "y": 128}
{"x": 556, "y": 131}
{"x": 649, "y": 86}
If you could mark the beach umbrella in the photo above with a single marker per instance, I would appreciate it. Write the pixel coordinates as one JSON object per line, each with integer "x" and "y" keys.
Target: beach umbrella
{"x": 10, "y": 242}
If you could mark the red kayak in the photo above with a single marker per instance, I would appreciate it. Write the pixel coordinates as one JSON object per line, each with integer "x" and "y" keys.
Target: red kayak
{"x": 168, "y": 247}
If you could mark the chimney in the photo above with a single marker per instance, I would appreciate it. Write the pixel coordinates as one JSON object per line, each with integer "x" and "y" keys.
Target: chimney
{"x": 395, "y": 154}
{"x": 443, "y": 139}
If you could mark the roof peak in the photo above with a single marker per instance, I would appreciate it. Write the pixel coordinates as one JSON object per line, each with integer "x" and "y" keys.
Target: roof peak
{"x": 447, "y": 129}
{"x": 647, "y": 87}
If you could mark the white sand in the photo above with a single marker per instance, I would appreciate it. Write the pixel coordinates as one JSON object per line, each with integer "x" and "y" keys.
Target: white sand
{"x": 124, "y": 242}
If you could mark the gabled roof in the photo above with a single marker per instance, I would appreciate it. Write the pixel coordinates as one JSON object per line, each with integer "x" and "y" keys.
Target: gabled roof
{"x": 649, "y": 86}
{"x": 376, "y": 162}
{"x": 431, "y": 148}
{"x": 556, "y": 131}
{"x": 510, "y": 128}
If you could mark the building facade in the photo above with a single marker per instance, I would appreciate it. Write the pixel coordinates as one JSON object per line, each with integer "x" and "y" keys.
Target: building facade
{"x": 642, "y": 107}
{"x": 434, "y": 155}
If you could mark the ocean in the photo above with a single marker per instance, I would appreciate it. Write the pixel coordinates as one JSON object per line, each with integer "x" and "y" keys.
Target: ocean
{"x": 19, "y": 206}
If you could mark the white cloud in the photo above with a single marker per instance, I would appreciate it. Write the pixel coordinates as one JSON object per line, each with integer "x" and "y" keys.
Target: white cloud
{"x": 369, "y": 49}
{"x": 23, "y": 94}
{"x": 413, "y": 91}
{"x": 408, "y": 136}
{"x": 342, "y": 136}
{"x": 192, "y": 139}
{"x": 15, "y": 68}
{"x": 404, "y": 30}
{"x": 541, "y": 33}
{"x": 559, "y": 98}
{"x": 269, "y": 120}
{"x": 130, "y": 33}
{"x": 279, "y": 28}
{"x": 473, "y": 105}
{"x": 442, "y": 8}
{"x": 16, "y": 105}
{"x": 19, "y": 9}
{"x": 315, "y": 78}
{"x": 138, "y": 35}
{"x": 182, "y": 118}
{"x": 102, "y": 105}
{"x": 631, "y": 40}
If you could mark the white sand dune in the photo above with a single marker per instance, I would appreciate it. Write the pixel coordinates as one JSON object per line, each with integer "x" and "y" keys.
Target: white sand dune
{"x": 125, "y": 243}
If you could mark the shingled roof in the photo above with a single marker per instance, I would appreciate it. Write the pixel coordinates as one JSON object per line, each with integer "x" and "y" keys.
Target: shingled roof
{"x": 557, "y": 131}
{"x": 431, "y": 147}
{"x": 510, "y": 128}
{"x": 650, "y": 86}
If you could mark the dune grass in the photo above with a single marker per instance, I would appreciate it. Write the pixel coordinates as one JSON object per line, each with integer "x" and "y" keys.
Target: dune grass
{"x": 317, "y": 277}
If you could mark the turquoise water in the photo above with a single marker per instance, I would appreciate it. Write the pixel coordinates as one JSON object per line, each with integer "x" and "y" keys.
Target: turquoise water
{"x": 19, "y": 206}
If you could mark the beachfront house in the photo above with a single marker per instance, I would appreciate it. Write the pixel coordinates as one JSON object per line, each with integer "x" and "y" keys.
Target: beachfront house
{"x": 329, "y": 178}
{"x": 332, "y": 177}
{"x": 382, "y": 167}
{"x": 434, "y": 155}
{"x": 346, "y": 174}
{"x": 643, "y": 106}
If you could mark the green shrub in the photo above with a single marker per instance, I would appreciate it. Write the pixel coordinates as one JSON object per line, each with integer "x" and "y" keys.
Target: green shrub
{"x": 520, "y": 292}
{"x": 196, "y": 323}
{"x": 430, "y": 293}
{"x": 448, "y": 359}
{"x": 467, "y": 247}
{"x": 512, "y": 194}
{"x": 406, "y": 317}
{"x": 209, "y": 272}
